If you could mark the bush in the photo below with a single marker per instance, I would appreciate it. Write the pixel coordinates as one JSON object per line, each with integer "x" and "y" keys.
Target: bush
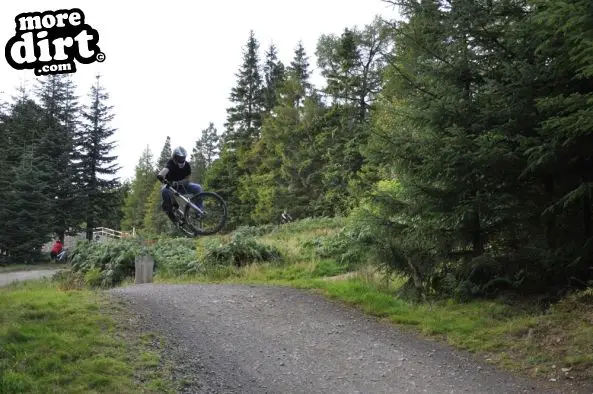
{"x": 105, "y": 264}
{"x": 175, "y": 256}
{"x": 240, "y": 251}
{"x": 110, "y": 263}
{"x": 311, "y": 224}
{"x": 343, "y": 246}
{"x": 256, "y": 231}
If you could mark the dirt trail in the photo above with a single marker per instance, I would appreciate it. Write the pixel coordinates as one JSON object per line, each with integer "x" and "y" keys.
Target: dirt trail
{"x": 8, "y": 277}
{"x": 259, "y": 339}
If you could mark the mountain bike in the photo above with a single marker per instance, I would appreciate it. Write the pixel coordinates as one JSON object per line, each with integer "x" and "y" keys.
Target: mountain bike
{"x": 63, "y": 255}
{"x": 191, "y": 218}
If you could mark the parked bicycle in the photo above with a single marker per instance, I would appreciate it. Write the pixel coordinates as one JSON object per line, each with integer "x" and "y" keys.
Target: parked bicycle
{"x": 285, "y": 217}
{"x": 62, "y": 256}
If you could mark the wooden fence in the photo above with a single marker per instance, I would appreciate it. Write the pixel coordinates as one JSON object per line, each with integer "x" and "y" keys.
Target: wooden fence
{"x": 100, "y": 234}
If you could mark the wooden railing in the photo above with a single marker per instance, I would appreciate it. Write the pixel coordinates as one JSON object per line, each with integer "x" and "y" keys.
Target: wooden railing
{"x": 98, "y": 233}
{"x": 108, "y": 232}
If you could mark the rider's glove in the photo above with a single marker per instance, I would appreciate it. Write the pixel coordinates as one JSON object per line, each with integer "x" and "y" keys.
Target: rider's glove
{"x": 160, "y": 178}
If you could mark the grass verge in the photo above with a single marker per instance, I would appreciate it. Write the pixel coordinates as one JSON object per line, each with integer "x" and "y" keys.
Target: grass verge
{"x": 68, "y": 341}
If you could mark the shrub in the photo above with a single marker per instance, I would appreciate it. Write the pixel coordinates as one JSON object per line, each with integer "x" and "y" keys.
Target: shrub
{"x": 344, "y": 247}
{"x": 175, "y": 256}
{"x": 256, "y": 231}
{"x": 110, "y": 263}
{"x": 311, "y": 224}
{"x": 105, "y": 264}
{"x": 240, "y": 251}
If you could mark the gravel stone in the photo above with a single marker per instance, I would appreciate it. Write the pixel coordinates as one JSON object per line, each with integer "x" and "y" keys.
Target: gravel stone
{"x": 263, "y": 339}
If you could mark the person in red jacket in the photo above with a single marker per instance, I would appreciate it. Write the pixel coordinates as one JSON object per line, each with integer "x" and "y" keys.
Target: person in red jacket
{"x": 56, "y": 249}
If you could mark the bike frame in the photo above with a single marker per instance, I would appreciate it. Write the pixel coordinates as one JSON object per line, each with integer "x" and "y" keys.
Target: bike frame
{"x": 187, "y": 200}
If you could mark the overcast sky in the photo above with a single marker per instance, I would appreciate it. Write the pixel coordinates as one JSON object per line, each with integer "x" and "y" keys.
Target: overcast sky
{"x": 170, "y": 65}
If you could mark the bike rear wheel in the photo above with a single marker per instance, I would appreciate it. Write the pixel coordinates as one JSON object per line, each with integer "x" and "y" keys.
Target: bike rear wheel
{"x": 214, "y": 217}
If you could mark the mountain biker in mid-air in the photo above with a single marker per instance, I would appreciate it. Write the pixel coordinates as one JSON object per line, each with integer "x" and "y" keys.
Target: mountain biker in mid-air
{"x": 177, "y": 171}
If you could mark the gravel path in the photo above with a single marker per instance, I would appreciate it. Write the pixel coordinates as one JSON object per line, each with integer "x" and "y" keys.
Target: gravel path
{"x": 8, "y": 277}
{"x": 257, "y": 339}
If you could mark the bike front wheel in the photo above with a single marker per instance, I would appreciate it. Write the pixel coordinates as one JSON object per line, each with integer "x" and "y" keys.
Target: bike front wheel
{"x": 212, "y": 216}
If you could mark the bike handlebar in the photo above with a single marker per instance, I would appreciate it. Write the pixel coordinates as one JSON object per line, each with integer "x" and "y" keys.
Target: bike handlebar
{"x": 165, "y": 181}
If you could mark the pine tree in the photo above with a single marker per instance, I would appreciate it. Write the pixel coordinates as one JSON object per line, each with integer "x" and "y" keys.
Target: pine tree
{"x": 210, "y": 143}
{"x": 29, "y": 221}
{"x": 27, "y": 208}
{"x": 299, "y": 70}
{"x": 113, "y": 218}
{"x": 289, "y": 167}
{"x": 223, "y": 177}
{"x": 242, "y": 129}
{"x": 206, "y": 149}
{"x": 245, "y": 116}
{"x": 155, "y": 219}
{"x": 560, "y": 138}
{"x": 455, "y": 115}
{"x": 24, "y": 127}
{"x": 141, "y": 187}
{"x": 198, "y": 163}
{"x": 58, "y": 155}
{"x": 165, "y": 155}
{"x": 72, "y": 119}
{"x": 97, "y": 159}
{"x": 274, "y": 76}
{"x": 352, "y": 65}
{"x": 4, "y": 177}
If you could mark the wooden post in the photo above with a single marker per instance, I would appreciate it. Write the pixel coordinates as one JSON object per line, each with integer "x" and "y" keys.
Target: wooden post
{"x": 144, "y": 268}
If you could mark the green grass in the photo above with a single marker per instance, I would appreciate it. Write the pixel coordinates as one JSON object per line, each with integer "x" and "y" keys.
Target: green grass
{"x": 68, "y": 341}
